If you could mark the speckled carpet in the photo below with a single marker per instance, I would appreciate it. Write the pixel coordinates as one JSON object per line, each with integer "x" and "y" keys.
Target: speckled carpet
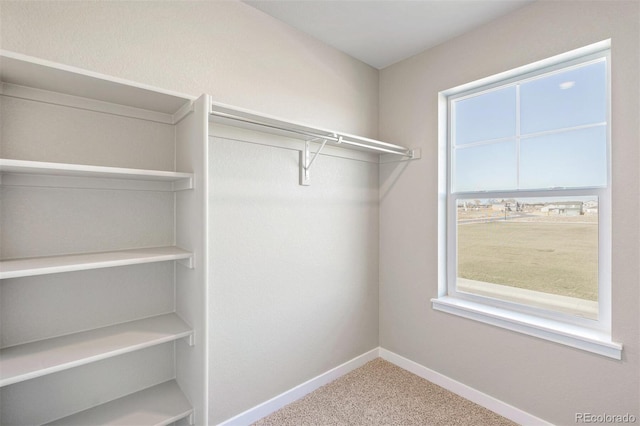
{"x": 380, "y": 393}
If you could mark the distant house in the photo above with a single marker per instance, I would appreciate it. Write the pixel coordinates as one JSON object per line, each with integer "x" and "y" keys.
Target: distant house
{"x": 591, "y": 207}
{"x": 564, "y": 208}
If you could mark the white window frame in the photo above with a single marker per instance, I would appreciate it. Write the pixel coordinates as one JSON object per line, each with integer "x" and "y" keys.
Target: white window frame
{"x": 587, "y": 334}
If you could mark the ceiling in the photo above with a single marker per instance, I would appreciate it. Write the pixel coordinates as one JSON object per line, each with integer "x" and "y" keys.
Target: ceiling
{"x": 383, "y": 32}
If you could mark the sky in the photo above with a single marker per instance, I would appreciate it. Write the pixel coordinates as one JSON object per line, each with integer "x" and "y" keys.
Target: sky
{"x": 546, "y": 132}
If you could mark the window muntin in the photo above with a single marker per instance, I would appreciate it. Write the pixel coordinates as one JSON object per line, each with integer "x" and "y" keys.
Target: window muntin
{"x": 565, "y": 111}
{"x": 551, "y": 143}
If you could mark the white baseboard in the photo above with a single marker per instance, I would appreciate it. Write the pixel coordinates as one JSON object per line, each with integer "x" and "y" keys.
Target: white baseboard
{"x": 274, "y": 404}
{"x": 510, "y": 412}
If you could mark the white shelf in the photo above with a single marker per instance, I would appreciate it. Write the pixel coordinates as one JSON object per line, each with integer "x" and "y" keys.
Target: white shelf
{"x": 244, "y": 118}
{"x": 35, "y": 359}
{"x": 26, "y": 267}
{"x": 37, "y": 173}
{"x": 26, "y": 71}
{"x": 159, "y": 405}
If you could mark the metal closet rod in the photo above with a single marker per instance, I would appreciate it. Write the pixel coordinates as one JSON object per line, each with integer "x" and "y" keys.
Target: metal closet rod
{"x": 333, "y": 137}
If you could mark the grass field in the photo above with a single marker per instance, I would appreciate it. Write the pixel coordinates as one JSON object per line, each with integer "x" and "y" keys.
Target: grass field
{"x": 550, "y": 256}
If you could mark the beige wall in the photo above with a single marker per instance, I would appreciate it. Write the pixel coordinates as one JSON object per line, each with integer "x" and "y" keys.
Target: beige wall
{"x": 546, "y": 379}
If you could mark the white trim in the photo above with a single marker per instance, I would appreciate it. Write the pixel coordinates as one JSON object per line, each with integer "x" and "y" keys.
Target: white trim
{"x": 487, "y": 401}
{"x": 575, "y": 336}
{"x": 544, "y": 64}
{"x": 274, "y": 404}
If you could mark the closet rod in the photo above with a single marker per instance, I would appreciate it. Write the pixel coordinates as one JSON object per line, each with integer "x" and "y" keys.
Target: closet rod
{"x": 336, "y": 138}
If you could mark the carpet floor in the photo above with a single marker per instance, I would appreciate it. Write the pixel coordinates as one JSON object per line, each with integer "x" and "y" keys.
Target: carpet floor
{"x": 381, "y": 393}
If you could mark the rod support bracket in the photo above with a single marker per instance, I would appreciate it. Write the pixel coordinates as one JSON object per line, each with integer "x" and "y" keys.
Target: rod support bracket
{"x": 306, "y": 160}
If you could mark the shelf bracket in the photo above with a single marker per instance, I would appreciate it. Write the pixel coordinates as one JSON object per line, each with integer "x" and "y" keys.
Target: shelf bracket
{"x": 190, "y": 339}
{"x": 188, "y": 262}
{"x": 306, "y": 163}
{"x": 182, "y": 184}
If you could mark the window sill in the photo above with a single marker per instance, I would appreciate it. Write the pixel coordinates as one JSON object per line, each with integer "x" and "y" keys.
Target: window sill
{"x": 568, "y": 305}
{"x": 571, "y": 335}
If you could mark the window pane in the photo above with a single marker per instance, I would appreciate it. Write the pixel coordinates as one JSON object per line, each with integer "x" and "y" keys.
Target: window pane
{"x": 536, "y": 251}
{"x": 566, "y": 99}
{"x": 572, "y": 159}
{"x": 490, "y": 115}
{"x": 485, "y": 167}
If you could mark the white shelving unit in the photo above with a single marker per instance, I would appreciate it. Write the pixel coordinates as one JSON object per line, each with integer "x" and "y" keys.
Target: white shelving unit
{"x": 145, "y": 139}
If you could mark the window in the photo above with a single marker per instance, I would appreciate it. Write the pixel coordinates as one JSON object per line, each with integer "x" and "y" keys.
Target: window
{"x": 526, "y": 200}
